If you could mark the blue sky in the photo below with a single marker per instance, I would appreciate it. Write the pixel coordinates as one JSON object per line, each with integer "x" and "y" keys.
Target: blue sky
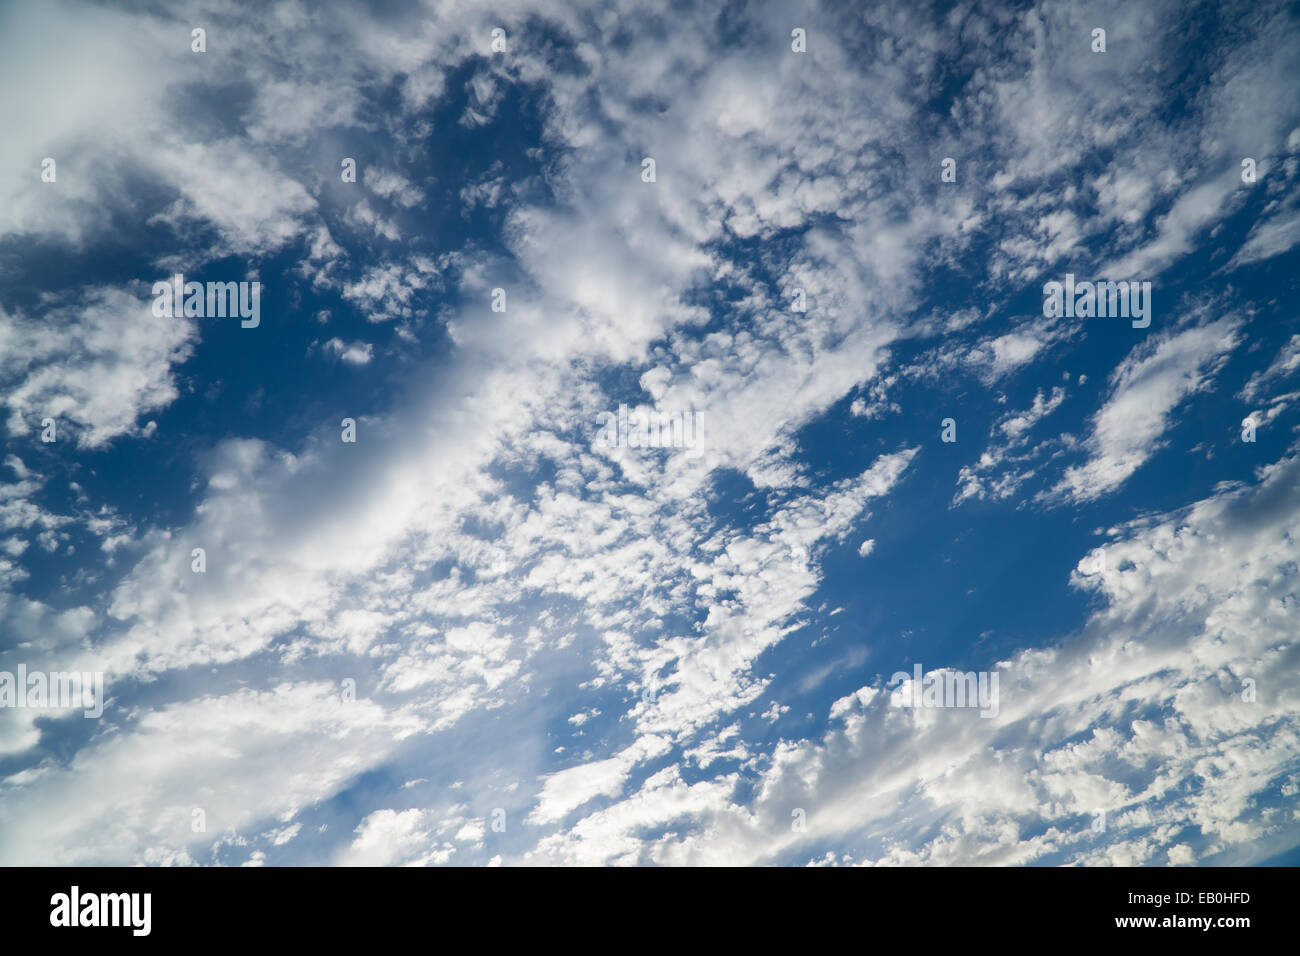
{"x": 570, "y": 653}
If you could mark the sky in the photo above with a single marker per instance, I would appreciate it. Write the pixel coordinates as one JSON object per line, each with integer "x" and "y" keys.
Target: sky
{"x": 370, "y": 580}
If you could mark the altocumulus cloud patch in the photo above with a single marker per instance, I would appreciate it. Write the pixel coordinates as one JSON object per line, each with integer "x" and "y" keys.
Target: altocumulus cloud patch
{"x": 561, "y": 433}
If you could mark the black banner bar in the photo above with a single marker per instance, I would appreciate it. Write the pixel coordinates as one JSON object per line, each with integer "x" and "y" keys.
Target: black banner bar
{"x": 211, "y": 905}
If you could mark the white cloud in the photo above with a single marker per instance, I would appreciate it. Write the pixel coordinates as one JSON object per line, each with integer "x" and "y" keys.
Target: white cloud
{"x": 1286, "y": 364}
{"x": 240, "y": 758}
{"x": 1146, "y": 387}
{"x": 1139, "y": 714}
{"x": 110, "y": 361}
{"x": 1010, "y": 452}
{"x": 459, "y": 593}
{"x": 352, "y": 353}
